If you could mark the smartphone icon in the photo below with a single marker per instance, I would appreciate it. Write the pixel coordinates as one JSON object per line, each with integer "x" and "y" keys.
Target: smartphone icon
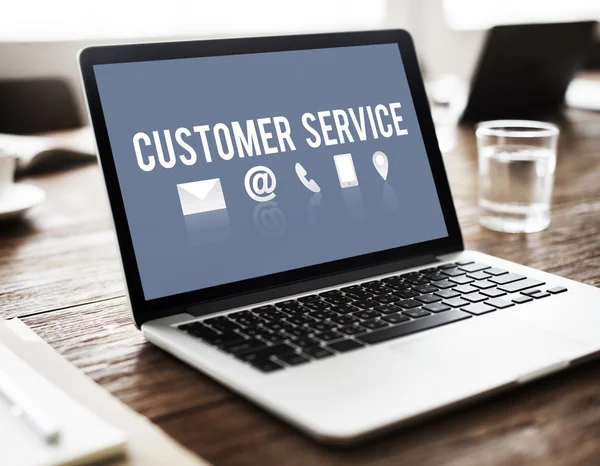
{"x": 345, "y": 170}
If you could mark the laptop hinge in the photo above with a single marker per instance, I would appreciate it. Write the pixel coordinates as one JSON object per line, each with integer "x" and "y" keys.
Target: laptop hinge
{"x": 305, "y": 286}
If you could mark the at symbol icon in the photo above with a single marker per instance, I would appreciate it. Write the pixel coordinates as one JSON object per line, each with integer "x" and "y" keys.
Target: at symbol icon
{"x": 260, "y": 183}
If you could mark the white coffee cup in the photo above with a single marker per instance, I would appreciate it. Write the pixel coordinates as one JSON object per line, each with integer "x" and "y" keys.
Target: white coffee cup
{"x": 7, "y": 172}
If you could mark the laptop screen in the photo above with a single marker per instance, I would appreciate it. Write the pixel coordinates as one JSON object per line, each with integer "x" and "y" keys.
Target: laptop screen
{"x": 241, "y": 166}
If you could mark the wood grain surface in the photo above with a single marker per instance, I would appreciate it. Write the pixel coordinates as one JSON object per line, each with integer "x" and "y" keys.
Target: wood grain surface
{"x": 60, "y": 272}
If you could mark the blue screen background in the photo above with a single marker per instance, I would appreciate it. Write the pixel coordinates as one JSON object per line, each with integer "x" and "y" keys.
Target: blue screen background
{"x": 176, "y": 254}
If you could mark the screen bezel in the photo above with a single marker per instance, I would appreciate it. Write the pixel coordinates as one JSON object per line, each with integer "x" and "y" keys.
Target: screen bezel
{"x": 144, "y": 310}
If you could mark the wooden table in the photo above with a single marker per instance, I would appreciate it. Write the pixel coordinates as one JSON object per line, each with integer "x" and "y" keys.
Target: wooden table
{"x": 60, "y": 273}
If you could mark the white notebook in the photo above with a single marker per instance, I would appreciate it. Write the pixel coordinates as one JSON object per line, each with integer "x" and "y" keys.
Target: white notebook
{"x": 84, "y": 437}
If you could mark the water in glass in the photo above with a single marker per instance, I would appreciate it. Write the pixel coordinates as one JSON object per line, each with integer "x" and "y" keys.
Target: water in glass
{"x": 515, "y": 187}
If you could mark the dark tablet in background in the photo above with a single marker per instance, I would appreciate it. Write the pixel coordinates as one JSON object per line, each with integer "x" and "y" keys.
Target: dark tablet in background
{"x": 524, "y": 70}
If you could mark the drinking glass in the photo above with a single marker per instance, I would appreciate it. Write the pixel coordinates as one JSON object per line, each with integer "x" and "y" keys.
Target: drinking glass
{"x": 517, "y": 159}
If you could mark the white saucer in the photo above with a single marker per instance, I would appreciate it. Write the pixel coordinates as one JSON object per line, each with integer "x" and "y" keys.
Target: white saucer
{"x": 18, "y": 199}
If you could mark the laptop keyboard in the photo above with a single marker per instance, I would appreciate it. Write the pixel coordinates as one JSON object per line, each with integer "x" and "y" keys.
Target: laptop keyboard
{"x": 297, "y": 331}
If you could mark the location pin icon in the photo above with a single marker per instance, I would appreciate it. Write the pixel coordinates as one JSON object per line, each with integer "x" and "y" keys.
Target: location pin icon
{"x": 380, "y": 161}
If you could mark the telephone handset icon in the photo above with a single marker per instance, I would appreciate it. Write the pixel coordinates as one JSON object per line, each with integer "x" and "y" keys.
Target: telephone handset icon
{"x": 311, "y": 185}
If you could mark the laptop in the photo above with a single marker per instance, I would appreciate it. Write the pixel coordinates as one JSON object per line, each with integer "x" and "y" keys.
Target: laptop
{"x": 524, "y": 70}
{"x": 286, "y": 227}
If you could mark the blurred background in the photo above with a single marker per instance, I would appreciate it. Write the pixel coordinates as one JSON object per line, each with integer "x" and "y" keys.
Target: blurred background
{"x": 40, "y": 38}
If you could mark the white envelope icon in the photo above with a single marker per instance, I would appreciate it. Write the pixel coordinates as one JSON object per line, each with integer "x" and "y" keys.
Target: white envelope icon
{"x": 201, "y": 196}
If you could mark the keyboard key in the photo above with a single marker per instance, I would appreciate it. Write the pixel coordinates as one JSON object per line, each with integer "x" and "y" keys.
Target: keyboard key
{"x": 447, "y": 294}
{"x": 249, "y": 322}
{"x": 493, "y": 292}
{"x": 443, "y": 284}
{"x": 475, "y": 297}
{"x": 186, "y": 327}
{"x": 322, "y": 315}
{"x": 200, "y": 331}
{"x": 522, "y": 299}
{"x": 428, "y": 270}
{"x": 292, "y": 359}
{"x": 374, "y": 283}
{"x": 436, "y": 276}
{"x": 217, "y": 320}
{"x": 273, "y": 315}
{"x": 225, "y": 339}
{"x": 456, "y": 302}
{"x": 481, "y": 275}
{"x": 322, "y": 326}
{"x": 483, "y": 284}
{"x": 379, "y": 289}
{"x": 544, "y": 294}
{"x": 474, "y": 267}
{"x": 408, "y": 303}
{"x": 295, "y": 312}
{"x": 317, "y": 352}
{"x": 464, "y": 289}
{"x": 338, "y": 300}
{"x": 450, "y": 265}
{"x": 406, "y": 294}
{"x": 266, "y": 365}
{"x": 344, "y": 320}
{"x": 266, "y": 353}
{"x": 329, "y": 336}
{"x": 425, "y": 289}
{"x": 478, "y": 308}
{"x": 520, "y": 285}
{"x": 300, "y": 320}
{"x": 436, "y": 307}
{"x": 306, "y": 342}
{"x": 300, "y": 332}
{"x": 265, "y": 308}
{"x": 273, "y": 337}
{"x": 348, "y": 289}
{"x": 244, "y": 346}
{"x": 499, "y": 303}
{"x": 345, "y": 309}
{"x": 331, "y": 294}
{"x": 345, "y": 345}
{"x": 416, "y": 313}
{"x": 374, "y": 324}
{"x": 352, "y": 330}
{"x": 388, "y": 309}
{"x": 506, "y": 278}
{"x": 428, "y": 298}
{"x": 241, "y": 315}
{"x": 398, "y": 286}
{"x": 249, "y": 331}
{"x": 310, "y": 297}
{"x": 366, "y": 315}
{"x": 395, "y": 318}
{"x": 531, "y": 292}
{"x": 359, "y": 294}
{"x": 365, "y": 303}
{"x": 495, "y": 271}
{"x": 394, "y": 279}
{"x": 453, "y": 272}
{"x": 461, "y": 280}
{"x": 417, "y": 280}
{"x": 557, "y": 289}
{"x": 272, "y": 326}
{"x": 408, "y": 328}
{"x": 288, "y": 304}
{"x": 385, "y": 298}
{"x": 225, "y": 327}
{"x": 317, "y": 305}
